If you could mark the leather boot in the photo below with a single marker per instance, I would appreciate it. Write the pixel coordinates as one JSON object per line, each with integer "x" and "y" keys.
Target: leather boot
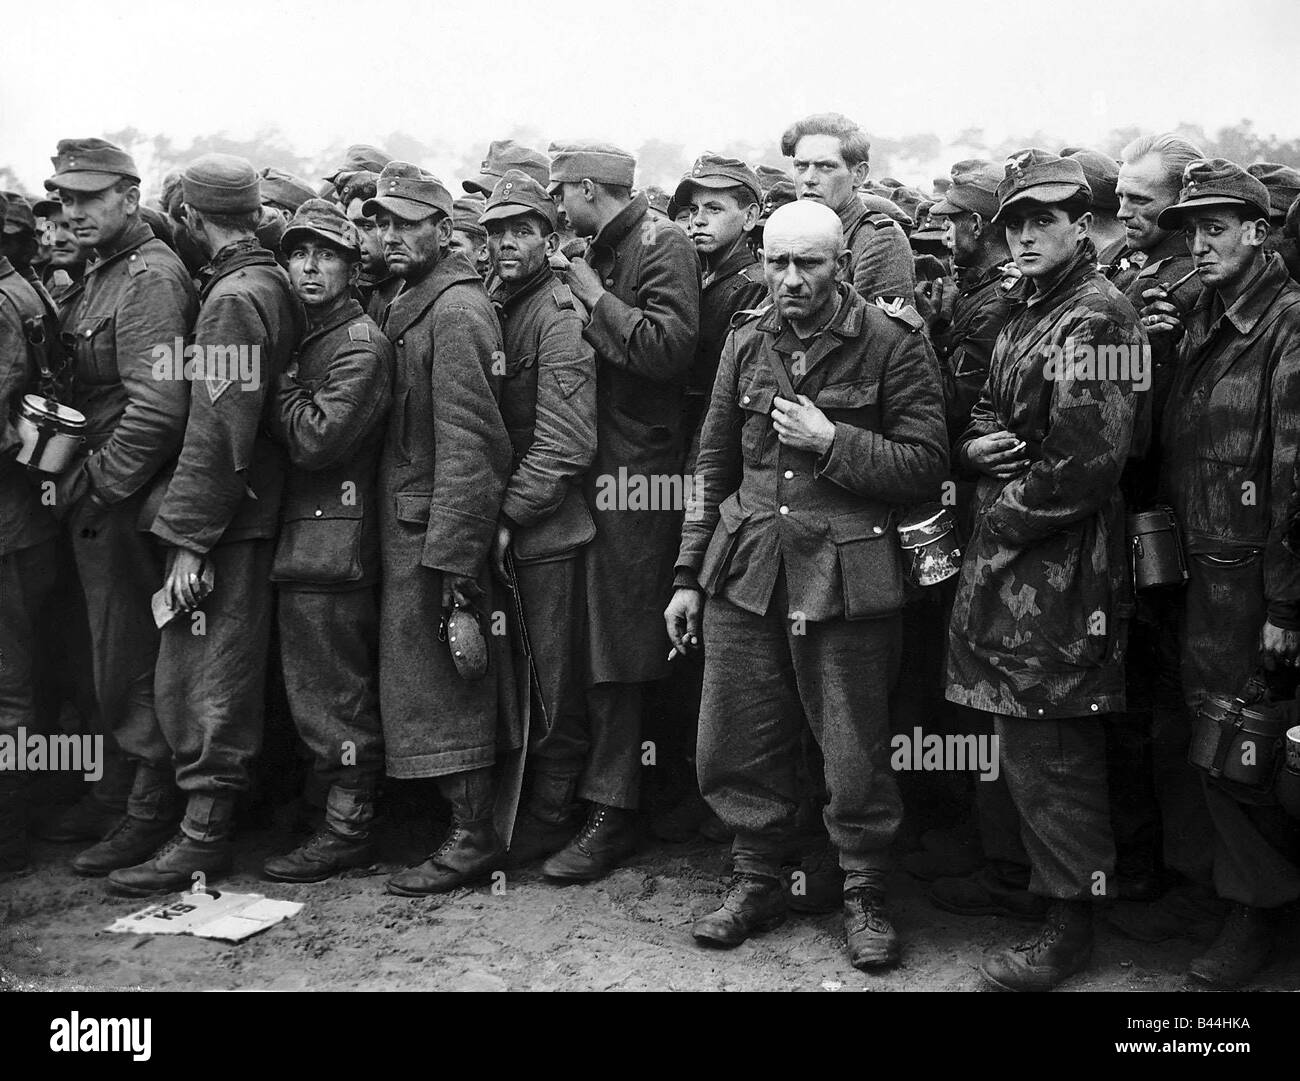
{"x": 100, "y": 809}
{"x": 606, "y": 839}
{"x": 817, "y": 885}
{"x": 151, "y": 813}
{"x": 752, "y": 904}
{"x": 14, "y": 849}
{"x": 471, "y": 850}
{"x": 1062, "y": 947}
{"x": 180, "y": 864}
{"x": 990, "y": 891}
{"x": 1241, "y": 950}
{"x": 342, "y": 842}
{"x": 868, "y": 931}
{"x": 546, "y": 821}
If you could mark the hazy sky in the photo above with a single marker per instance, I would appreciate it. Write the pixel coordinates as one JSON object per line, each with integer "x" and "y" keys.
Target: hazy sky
{"x": 702, "y": 73}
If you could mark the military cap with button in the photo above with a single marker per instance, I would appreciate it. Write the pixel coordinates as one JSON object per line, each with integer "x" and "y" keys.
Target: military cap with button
{"x": 90, "y": 165}
{"x": 1039, "y": 176}
{"x": 319, "y": 219}
{"x": 1215, "y": 182}
{"x": 284, "y": 189}
{"x": 519, "y": 193}
{"x": 356, "y": 184}
{"x": 222, "y": 184}
{"x": 502, "y": 156}
{"x": 360, "y": 157}
{"x": 909, "y": 200}
{"x": 465, "y": 214}
{"x": 1283, "y": 184}
{"x": 769, "y": 177}
{"x": 409, "y": 192}
{"x": 660, "y": 201}
{"x": 777, "y": 196}
{"x": 1102, "y": 173}
{"x": 718, "y": 172}
{"x": 47, "y": 207}
{"x": 603, "y": 163}
{"x": 973, "y": 189}
{"x": 18, "y": 216}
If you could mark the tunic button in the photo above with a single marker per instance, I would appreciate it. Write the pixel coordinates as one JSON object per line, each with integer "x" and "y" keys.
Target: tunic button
{"x": 745, "y": 399}
{"x": 1094, "y": 707}
{"x": 877, "y": 529}
{"x": 609, "y": 282}
{"x": 319, "y": 512}
{"x": 1040, "y": 712}
{"x": 401, "y": 341}
{"x": 789, "y": 473}
{"x": 785, "y": 509}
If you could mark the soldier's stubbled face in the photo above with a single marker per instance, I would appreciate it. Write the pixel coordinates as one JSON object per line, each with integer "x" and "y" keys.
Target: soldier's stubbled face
{"x": 962, "y": 236}
{"x": 98, "y": 217}
{"x": 519, "y": 246}
{"x": 64, "y": 250}
{"x": 413, "y": 248}
{"x": 803, "y": 254}
{"x": 1042, "y": 238}
{"x": 821, "y": 173}
{"x": 575, "y": 204}
{"x": 471, "y": 247}
{"x": 1224, "y": 245}
{"x": 372, "y": 248}
{"x": 1144, "y": 191}
{"x": 719, "y": 218}
{"x": 320, "y": 273}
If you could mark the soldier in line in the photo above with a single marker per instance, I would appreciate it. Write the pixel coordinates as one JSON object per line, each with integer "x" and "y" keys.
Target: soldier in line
{"x": 502, "y": 156}
{"x": 825, "y": 415}
{"x": 1231, "y": 429}
{"x": 1049, "y": 449}
{"x": 1283, "y": 184}
{"x": 442, "y": 477}
{"x": 135, "y": 295}
{"x": 218, "y": 518}
{"x": 639, "y": 280}
{"x": 329, "y": 412}
{"x": 376, "y": 286}
{"x": 1106, "y": 231}
{"x": 831, "y": 158}
{"x": 467, "y": 236}
{"x": 548, "y": 402}
{"x": 67, "y": 262}
{"x": 28, "y": 538}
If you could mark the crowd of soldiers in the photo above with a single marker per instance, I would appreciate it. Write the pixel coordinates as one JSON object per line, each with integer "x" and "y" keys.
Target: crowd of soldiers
{"x": 393, "y": 435}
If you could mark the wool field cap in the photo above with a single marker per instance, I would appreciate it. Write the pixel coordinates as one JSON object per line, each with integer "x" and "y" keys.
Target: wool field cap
{"x": 1101, "y": 172}
{"x": 1215, "y": 182}
{"x": 285, "y": 189}
{"x": 222, "y": 184}
{"x": 18, "y": 215}
{"x": 409, "y": 192}
{"x": 718, "y": 172}
{"x": 973, "y": 189}
{"x": 90, "y": 165}
{"x": 519, "y": 193}
{"x": 465, "y": 214}
{"x": 603, "y": 163}
{"x": 1040, "y": 176}
{"x": 502, "y": 156}
{"x": 1283, "y": 184}
{"x": 360, "y": 157}
{"x": 319, "y": 219}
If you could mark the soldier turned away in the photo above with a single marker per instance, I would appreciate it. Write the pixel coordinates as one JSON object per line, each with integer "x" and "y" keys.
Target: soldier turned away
{"x": 442, "y": 477}
{"x": 1037, "y": 633}
{"x": 218, "y": 517}
{"x": 329, "y": 412}
{"x": 831, "y": 159}
{"x": 826, "y": 415}
{"x": 376, "y": 285}
{"x": 548, "y": 401}
{"x": 1229, "y": 470}
{"x": 639, "y": 282}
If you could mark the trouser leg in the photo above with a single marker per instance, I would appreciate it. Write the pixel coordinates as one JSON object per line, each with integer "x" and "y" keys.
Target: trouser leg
{"x": 26, "y": 580}
{"x": 613, "y": 771}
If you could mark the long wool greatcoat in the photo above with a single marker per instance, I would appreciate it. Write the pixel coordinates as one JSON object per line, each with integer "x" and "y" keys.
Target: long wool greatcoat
{"x": 1038, "y": 625}
{"x": 442, "y": 476}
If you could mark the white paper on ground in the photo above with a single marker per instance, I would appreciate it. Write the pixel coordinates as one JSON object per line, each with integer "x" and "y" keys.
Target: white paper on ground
{"x": 230, "y": 917}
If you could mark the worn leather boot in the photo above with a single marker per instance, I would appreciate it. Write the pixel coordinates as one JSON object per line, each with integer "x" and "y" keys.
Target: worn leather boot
{"x": 868, "y": 931}
{"x": 471, "y": 850}
{"x": 182, "y": 863}
{"x": 132, "y": 841}
{"x": 14, "y": 848}
{"x": 1062, "y": 947}
{"x": 817, "y": 885}
{"x": 988, "y": 892}
{"x": 342, "y": 842}
{"x": 99, "y": 810}
{"x": 1241, "y": 950}
{"x": 607, "y": 838}
{"x": 752, "y": 904}
{"x": 546, "y": 820}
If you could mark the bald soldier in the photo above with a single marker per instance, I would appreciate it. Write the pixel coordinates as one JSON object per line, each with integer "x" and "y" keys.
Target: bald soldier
{"x": 826, "y": 415}
{"x": 831, "y": 159}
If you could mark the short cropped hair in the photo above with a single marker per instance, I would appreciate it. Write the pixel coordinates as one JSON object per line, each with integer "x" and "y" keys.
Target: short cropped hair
{"x": 855, "y": 147}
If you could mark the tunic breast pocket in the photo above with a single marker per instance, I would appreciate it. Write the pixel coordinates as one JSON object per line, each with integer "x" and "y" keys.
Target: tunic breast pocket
{"x": 1234, "y": 424}
{"x": 755, "y": 404}
{"x": 855, "y": 402}
{"x": 93, "y": 343}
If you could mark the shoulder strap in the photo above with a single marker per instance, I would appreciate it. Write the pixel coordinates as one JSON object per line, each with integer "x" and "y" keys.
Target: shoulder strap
{"x": 777, "y": 368}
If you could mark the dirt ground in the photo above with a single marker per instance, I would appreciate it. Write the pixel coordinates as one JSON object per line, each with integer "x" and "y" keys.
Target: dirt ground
{"x": 629, "y": 932}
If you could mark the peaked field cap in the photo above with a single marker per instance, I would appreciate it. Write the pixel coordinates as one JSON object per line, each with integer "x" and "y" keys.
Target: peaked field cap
{"x": 1215, "y": 182}
{"x": 972, "y": 187}
{"x": 769, "y": 177}
{"x": 502, "y": 156}
{"x": 409, "y": 192}
{"x": 465, "y": 213}
{"x": 284, "y": 188}
{"x": 1282, "y": 183}
{"x": 1039, "y": 176}
{"x": 321, "y": 219}
{"x": 361, "y": 157}
{"x": 718, "y": 172}
{"x": 519, "y": 193}
{"x": 90, "y": 165}
{"x": 1102, "y": 173}
{"x": 601, "y": 162}
{"x": 18, "y": 214}
{"x": 222, "y": 184}
{"x": 47, "y": 207}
